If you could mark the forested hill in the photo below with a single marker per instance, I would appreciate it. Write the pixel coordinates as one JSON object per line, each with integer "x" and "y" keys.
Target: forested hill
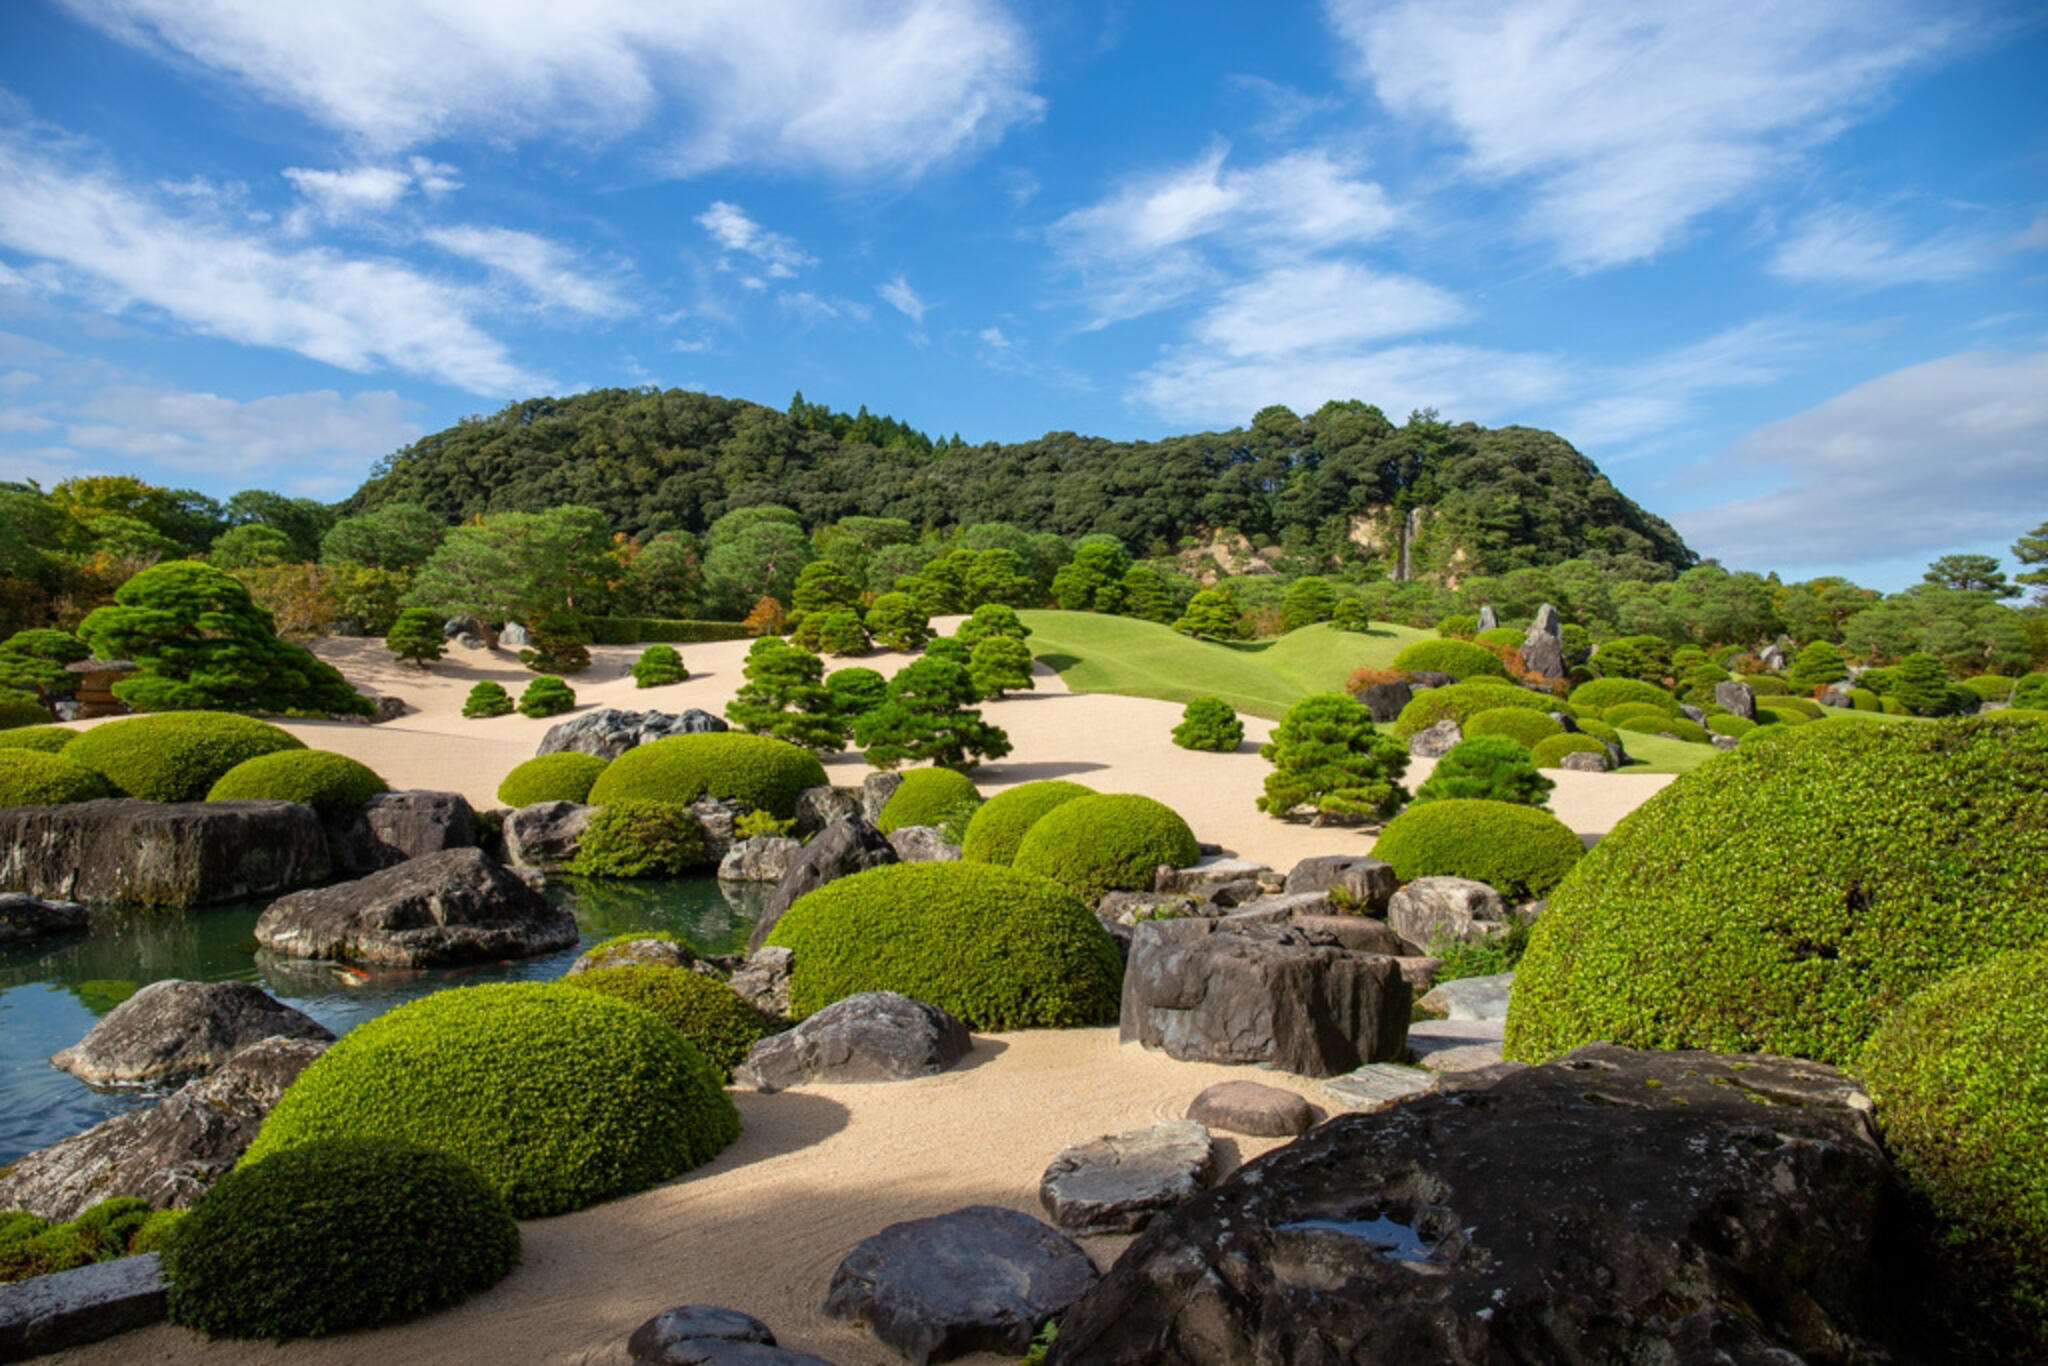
{"x": 1498, "y": 499}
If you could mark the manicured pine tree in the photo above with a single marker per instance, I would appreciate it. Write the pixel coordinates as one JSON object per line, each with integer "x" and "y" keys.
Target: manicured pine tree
{"x": 1307, "y": 601}
{"x": 898, "y": 623}
{"x": 1147, "y": 596}
{"x": 785, "y": 696}
{"x": 930, "y": 715}
{"x": 1209, "y": 723}
{"x": 1210, "y": 614}
{"x": 416, "y": 637}
{"x": 1000, "y": 664}
{"x": 991, "y": 619}
{"x": 1326, "y": 755}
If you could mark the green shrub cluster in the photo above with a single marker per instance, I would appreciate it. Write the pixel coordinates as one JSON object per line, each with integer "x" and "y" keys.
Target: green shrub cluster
{"x": 333, "y": 784}
{"x": 1766, "y": 732}
{"x": 641, "y": 839}
{"x": 763, "y": 773}
{"x": 658, "y": 666}
{"x": 1727, "y": 723}
{"x": 1863, "y": 699}
{"x": 1525, "y": 726}
{"x": 1602, "y": 693}
{"x": 1892, "y": 706}
{"x": 1209, "y": 723}
{"x": 558, "y": 1097}
{"x": 337, "y": 1234}
{"x": 1599, "y": 730}
{"x": 175, "y": 756}
{"x": 1489, "y": 768}
{"x": 608, "y": 952}
{"x": 710, "y": 1014}
{"x": 1784, "y": 897}
{"x": 30, "y": 1246}
{"x": 1510, "y": 636}
{"x": 45, "y": 739}
{"x": 1677, "y": 727}
{"x": 998, "y": 948}
{"x": 1778, "y": 711}
{"x": 1633, "y": 711}
{"x": 488, "y": 698}
{"x": 18, "y": 709}
{"x": 1803, "y": 706}
{"x": 546, "y": 696}
{"x": 563, "y": 777}
{"x": 638, "y": 630}
{"x": 1458, "y": 626}
{"x": 30, "y": 777}
{"x": 928, "y": 796}
{"x": 2031, "y": 690}
{"x": 1461, "y": 701}
{"x": 1001, "y": 823}
{"x": 1519, "y": 851}
{"x": 1461, "y": 659}
{"x": 1550, "y": 753}
{"x": 1107, "y": 843}
{"x": 1990, "y": 687}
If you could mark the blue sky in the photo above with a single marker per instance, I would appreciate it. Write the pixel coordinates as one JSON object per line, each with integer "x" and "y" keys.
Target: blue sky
{"x": 1779, "y": 268}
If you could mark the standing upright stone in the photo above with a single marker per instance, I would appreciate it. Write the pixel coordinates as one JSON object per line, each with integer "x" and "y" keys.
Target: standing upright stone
{"x": 1488, "y": 618}
{"x": 1739, "y": 699}
{"x": 1543, "y": 646}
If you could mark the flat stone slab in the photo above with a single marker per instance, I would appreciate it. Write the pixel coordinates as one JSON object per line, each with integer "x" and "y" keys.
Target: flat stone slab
{"x": 1456, "y": 1045}
{"x": 85, "y": 1304}
{"x": 1208, "y": 873}
{"x": 1470, "y": 998}
{"x": 1117, "y": 1183}
{"x": 708, "y": 1335}
{"x": 1377, "y": 1086}
{"x": 1250, "y": 1107}
{"x": 1283, "y": 908}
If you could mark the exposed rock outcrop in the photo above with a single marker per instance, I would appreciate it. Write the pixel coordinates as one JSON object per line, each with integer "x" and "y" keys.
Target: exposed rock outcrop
{"x": 846, "y": 846}
{"x": 173, "y": 1030}
{"x": 871, "y": 1036}
{"x": 121, "y": 850}
{"x": 395, "y": 826}
{"x": 609, "y": 732}
{"x": 452, "y": 907}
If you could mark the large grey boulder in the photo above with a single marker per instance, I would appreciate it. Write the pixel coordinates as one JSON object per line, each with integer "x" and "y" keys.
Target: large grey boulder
{"x": 1488, "y": 618}
{"x": 1612, "y": 1206}
{"x": 1739, "y": 699}
{"x": 871, "y": 1036}
{"x": 609, "y": 732}
{"x": 1359, "y": 933}
{"x": 546, "y": 835}
{"x": 453, "y": 907}
{"x": 875, "y": 791}
{"x": 395, "y": 826}
{"x": 173, "y": 1030}
{"x": 763, "y": 980}
{"x": 851, "y": 845}
{"x": 1586, "y": 761}
{"x": 1250, "y": 1107}
{"x": 1362, "y": 884}
{"x": 922, "y": 844}
{"x": 763, "y": 858}
{"x": 1205, "y": 877}
{"x": 1384, "y": 701}
{"x": 85, "y": 1304}
{"x": 818, "y": 807}
{"x": 1471, "y": 998}
{"x": 1431, "y": 908}
{"x": 1116, "y": 1183}
{"x": 169, "y": 1153}
{"x": 1260, "y": 993}
{"x": 24, "y": 917}
{"x": 1434, "y": 742}
{"x": 160, "y": 853}
{"x": 514, "y": 637}
{"x": 981, "y": 1279}
{"x": 1543, "y": 644}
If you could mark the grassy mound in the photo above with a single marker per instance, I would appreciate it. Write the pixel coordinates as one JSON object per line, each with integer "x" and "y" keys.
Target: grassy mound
{"x": 766, "y": 774}
{"x": 332, "y": 784}
{"x": 1524, "y": 725}
{"x": 1106, "y": 843}
{"x": 1602, "y": 693}
{"x": 562, "y": 777}
{"x": 1461, "y": 659}
{"x": 30, "y": 777}
{"x": 1001, "y": 823}
{"x": 44, "y": 739}
{"x": 1550, "y": 753}
{"x": 1461, "y": 701}
{"x": 175, "y": 756}
{"x": 706, "y": 1011}
{"x": 928, "y": 796}
{"x": 1519, "y": 851}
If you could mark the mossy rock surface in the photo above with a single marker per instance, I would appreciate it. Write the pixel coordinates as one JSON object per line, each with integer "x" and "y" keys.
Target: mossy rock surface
{"x": 30, "y": 777}
{"x": 175, "y": 756}
{"x": 1461, "y": 659}
{"x": 998, "y": 948}
{"x": 1520, "y": 851}
{"x": 764, "y": 773}
{"x": 1785, "y": 897}
{"x": 565, "y": 777}
{"x": 927, "y": 796}
{"x": 707, "y": 1012}
{"x": 332, "y": 784}
{"x": 1001, "y": 823}
{"x": 1111, "y": 842}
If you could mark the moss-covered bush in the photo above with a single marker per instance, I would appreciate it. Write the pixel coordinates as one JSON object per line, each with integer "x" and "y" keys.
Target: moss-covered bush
{"x": 546, "y": 696}
{"x": 1603, "y": 693}
{"x": 1779, "y": 711}
{"x": 1550, "y": 753}
{"x": 1001, "y": 822}
{"x": 641, "y": 839}
{"x": 1863, "y": 699}
{"x": 615, "y": 952}
{"x": 19, "y": 709}
{"x": 1677, "y": 727}
{"x": 1461, "y": 701}
{"x": 44, "y": 739}
{"x": 710, "y": 1014}
{"x": 334, "y": 1235}
{"x": 558, "y": 1097}
{"x": 1804, "y": 706}
{"x": 1461, "y": 659}
{"x": 1211, "y": 724}
{"x": 1727, "y": 723}
{"x": 175, "y": 756}
{"x": 657, "y": 666}
{"x": 1633, "y": 711}
{"x": 30, "y": 1246}
{"x": 1786, "y": 896}
{"x": 1766, "y": 732}
{"x": 1892, "y": 706}
{"x": 488, "y": 698}
{"x": 564, "y": 777}
{"x": 998, "y": 948}
{"x": 30, "y": 777}
{"x": 1508, "y": 636}
{"x": 764, "y": 773}
{"x": 1488, "y": 768}
{"x": 1108, "y": 843}
{"x": 1599, "y": 730}
{"x": 1524, "y": 725}
{"x": 332, "y": 784}
{"x": 928, "y": 796}
{"x": 1990, "y": 687}
{"x": 2031, "y": 691}
{"x": 1519, "y": 851}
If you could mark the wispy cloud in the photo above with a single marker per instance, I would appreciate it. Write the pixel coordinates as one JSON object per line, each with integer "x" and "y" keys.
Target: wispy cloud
{"x": 811, "y": 309}
{"x": 779, "y": 257}
{"x": 548, "y": 271}
{"x": 1864, "y": 249}
{"x": 898, "y": 294}
{"x": 1659, "y": 392}
{"x": 316, "y": 442}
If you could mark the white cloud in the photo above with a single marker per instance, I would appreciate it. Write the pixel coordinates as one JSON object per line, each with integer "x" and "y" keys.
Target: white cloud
{"x": 1845, "y": 246}
{"x": 547, "y": 270}
{"x": 316, "y": 441}
{"x": 898, "y": 294}
{"x": 433, "y": 177}
{"x": 1916, "y": 461}
{"x": 811, "y": 309}
{"x": 336, "y": 196}
{"x": 888, "y": 88}
{"x": 1629, "y": 121}
{"x": 1320, "y": 305}
{"x": 993, "y": 338}
{"x": 1660, "y": 392}
{"x": 730, "y": 227}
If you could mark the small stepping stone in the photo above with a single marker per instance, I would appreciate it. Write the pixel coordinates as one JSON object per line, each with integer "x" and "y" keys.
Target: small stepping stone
{"x": 1116, "y": 1184}
{"x": 1456, "y": 1045}
{"x": 872, "y": 1036}
{"x": 1248, "y": 1107}
{"x": 1471, "y": 998}
{"x": 1378, "y": 1086}
{"x": 671, "y": 1328}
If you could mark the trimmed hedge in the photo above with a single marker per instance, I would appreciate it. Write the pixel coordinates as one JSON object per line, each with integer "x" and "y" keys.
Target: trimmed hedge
{"x": 1599, "y": 730}
{"x": 44, "y": 739}
{"x": 669, "y": 630}
{"x": 710, "y": 1014}
{"x": 564, "y": 777}
{"x": 487, "y": 698}
{"x": 1550, "y": 753}
{"x": 1863, "y": 699}
{"x": 30, "y": 777}
{"x": 334, "y": 1235}
{"x": 1959, "y": 1075}
{"x": 546, "y": 696}
{"x": 1519, "y": 851}
{"x": 604, "y": 951}
{"x": 1001, "y": 823}
{"x": 175, "y": 756}
{"x": 1762, "y": 684}
{"x": 332, "y": 784}
{"x": 1990, "y": 687}
{"x": 998, "y": 948}
{"x": 1677, "y": 727}
{"x": 1510, "y": 636}
{"x": 763, "y": 773}
{"x": 1462, "y": 700}
{"x": 1805, "y": 706}
{"x": 2031, "y": 690}
{"x": 1486, "y": 767}
{"x": 927, "y": 796}
{"x": 1776, "y": 709}
{"x": 1461, "y": 659}
{"x": 1785, "y": 897}
{"x": 558, "y": 1097}
{"x": 1523, "y": 725}
{"x": 1634, "y": 711}
{"x": 658, "y": 666}
{"x": 1114, "y": 842}
{"x": 1614, "y": 692}
{"x": 20, "y": 709}
{"x": 1728, "y": 723}
{"x": 641, "y": 839}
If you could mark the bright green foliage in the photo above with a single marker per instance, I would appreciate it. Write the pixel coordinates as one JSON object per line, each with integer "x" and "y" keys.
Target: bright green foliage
{"x": 487, "y": 698}
{"x": 1308, "y": 600}
{"x": 203, "y": 644}
{"x": 1863, "y": 699}
{"x": 1603, "y": 693}
{"x": 1112, "y": 842}
{"x": 754, "y": 770}
{"x": 1500, "y": 635}
{"x": 837, "y": 632}
{"x": 1461, "y": 659}
{"x": 1148, "y": 595}
{"x": 930, "y": 715}
{"x": 1990, "y": 687}
{"x": 1799, "y": 706}
{"x": 1001, "y": 823}
{"x": 998, "y": 575}
{"x": 2031, "y": 691}
{"x": 1209, "y": 723}
{"x": 1524, "y": 725}
{"x": 1821, "y": 662}
{"x": 822, "y": 586}
{"x": 607, "y": 952}
{"x": 1519, "y": 851}
{"x": 658, "y": 666}
{"x": 1599, "y": 730}
{"x": 30, "y": 1246}
{"x": 416, "y": 636}
{"x": 991, "y": 619}
{"x": 546, "y": 696}
{"x": 517, "y": 565}
{"x": 564, "y": 777}
{"x": 1729, "y": 724}
{"x": 757, "y": 824}
{"x": 251, "y": 545}
{"x": 1458, "y": 626}
{"x": 1767, "y": 732}
{"x": 1350, "y": 615}
{"x": 34, "y": 660}
{"x": 707, "y": 1012}
{"x": 927, "y": 796}
{"x": 1959, "y": 1074}
{"x": 394, "y": 536}
{"x": 855, "y": 693}
{"x": 1634, "y": 711}
{"x": 1000, "y": 664}
{"x": 1487, "y": 768}
{"x": 30, "y": 777}
{"x": 1769, "y": 684}
{"x": 1920, "y": 683}
{"x": 1644, "y": 658}
{"x": 1327, "y": 755}
{"x": 1892, "y": 706}
{"x": 949, "y": 648}
{"x": 641, "y": 839}
{"x": 898, "y": 623}
{"x": 18, "y": 709}
{"x": 338, "y": 1234}
{"x": 561, "y": 644}
{"x": 785, "y": 696}
{"x": 1550, "y": 753}
{"x": 1775, "y": 712}
{"x": 176, "y": 757}
{"x": 1461, "y": 701}
{"x": 45, "y": 739}
{"x": 1784, "y": 897}
{"x": 558, "y": 1097}
{"x": 1093, "y": 581}
{"x": 1212, "y": 616}
{"x": 997, "y": 948}
{"x": 332, "y": 784}
{"x": 1677, "y": 727}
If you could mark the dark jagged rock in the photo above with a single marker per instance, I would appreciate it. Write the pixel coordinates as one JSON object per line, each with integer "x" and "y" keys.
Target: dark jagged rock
{"x": 1365, "y": 885}
{"x": 395, "y": 826}
{"x": 452, "y": 907}
{"x": 121, "y": 850}
{"x": 546, "y": 835}
{"x": 871, "y": 1036}
{"x": 818, "y": 807}
{"x": 609, "y": 732}
{"x": 1612, "y": 1206}
{"x": 1385, "y": 700}
{"x": 1359, "y": 933}
{"x": 846, "y": 846}
{"x": 718, "y": 817}
{"x": 85, "y": 1304}
{"x": 707, "y": 1335}
{"x": 1543, "y": 645}
{"x": 1736, "y": 698}
{"x": 24, "y": 917}
{"x": 1250, "y": 1107}
{"x": 1116, "y": 1184}
{"x": 172, "y": 1030}
{"x": 1202, "y": 879}
{"x": 875, "y": 791}
{"x": 922, "y": 844}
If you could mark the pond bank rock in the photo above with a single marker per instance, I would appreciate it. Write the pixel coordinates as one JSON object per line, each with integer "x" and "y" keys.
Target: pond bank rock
{"x": 452, "y": 907}
{"x": 395, "y": 826}
{"x": 609, "y": 732}
{"x": 24, "y": 917}
{"x": 872, "y": 1036}
{"x": 172, "y": 1030}
{"x": 849, "y": 845}
{"x": 120, "y": 850}
{"x": 546, "y": 835}
{"x": 763, "y": 858}
{"x": 1116, "y": 1183}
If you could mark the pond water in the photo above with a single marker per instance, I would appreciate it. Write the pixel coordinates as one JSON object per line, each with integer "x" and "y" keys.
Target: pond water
{"x": 54, "y": 990}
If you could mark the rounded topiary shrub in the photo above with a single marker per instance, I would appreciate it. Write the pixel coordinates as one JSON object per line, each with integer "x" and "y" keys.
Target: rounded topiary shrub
{"x": 1990, "y": 687}
{"x": 2030, "y": 691}
{"x": 764, "y": 773}
{"x": 558, "y": 1097}
{"x": 1784, "y": 897}
{"x": 488, "y": 698}
{"x": 1114, "y": 842}
{"x": 1524, "y": 725}
{"x": 564, "y": 777}
{"x": 1776, "y": 710}
{"x": 1461, "y": 701}
{"x": 1461, "y": 659}
{"x": 1602, "y": 693}
{"x": 1550, "y": 753}
{"x": 710, "y": 1014}
{"x": 46, "y": 739}
{"x": 334, "y": 1235}
{"x": 30, "y": 777}
{"x": 1863, "y": 699}
{"x": 641, "y": 839}
{"x": 1519, "y": 851}
{"x": 657, "y": 666}
{"x": 998, "y": 948}
{"x": 1209, "y": 723}
{"x": 19, "y": 709}
{"x": 1000, "y": 823}
{"x": 1599, "y": 730}
{"x": 1677, "y": 727}
{"x": 332, "y": 784}
{"x": 175, "y": 756}
{"x": 1633, "y": 711}
{"x": 1804, "y": 706}
{"x": 1959, "y": 1075}
{"x": 1727, "y": 723}
{"x": 927, "y": 796}
{"x": 546, "y": 696}
{"x": 1485, "y": 767}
